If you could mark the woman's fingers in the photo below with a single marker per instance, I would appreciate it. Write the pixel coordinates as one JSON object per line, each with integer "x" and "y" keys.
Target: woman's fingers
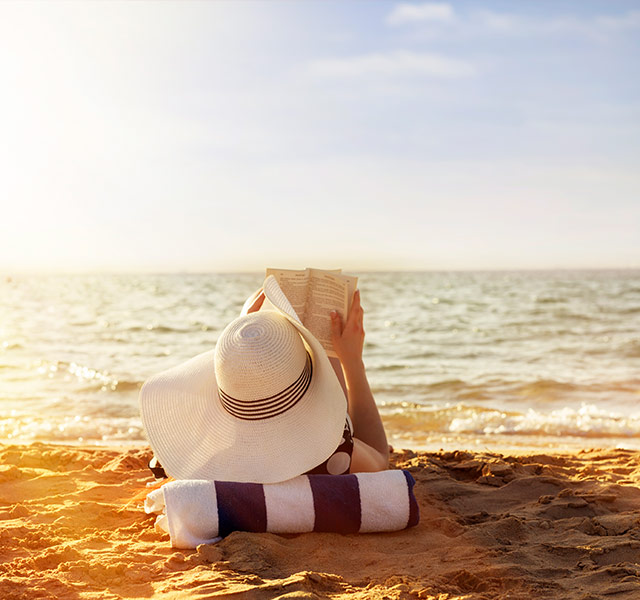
{"x": 347, "y": 336}
{"x": 355, "y": 313}
{"x": 336, "y": 326}
{"x": 356, "y": 301}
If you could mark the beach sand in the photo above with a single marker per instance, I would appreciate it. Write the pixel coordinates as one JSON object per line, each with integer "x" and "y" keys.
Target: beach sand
{"x": 492, "y": 527}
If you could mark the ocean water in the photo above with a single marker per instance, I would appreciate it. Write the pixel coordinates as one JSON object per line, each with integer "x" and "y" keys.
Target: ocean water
{"x": 477, "y": 360}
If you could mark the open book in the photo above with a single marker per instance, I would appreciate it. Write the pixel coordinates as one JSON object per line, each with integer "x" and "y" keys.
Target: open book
{"x": 313, "y": 294}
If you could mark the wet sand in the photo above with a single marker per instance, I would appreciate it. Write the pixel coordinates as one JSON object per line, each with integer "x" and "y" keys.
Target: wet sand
{"x": 492, "y": 527}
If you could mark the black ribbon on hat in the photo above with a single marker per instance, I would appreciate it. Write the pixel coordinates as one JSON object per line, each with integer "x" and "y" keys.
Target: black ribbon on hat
{"x": 271, "y": 406}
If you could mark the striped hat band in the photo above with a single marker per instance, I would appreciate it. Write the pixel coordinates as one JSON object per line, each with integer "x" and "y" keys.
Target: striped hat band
{"x": 271, "y": 406}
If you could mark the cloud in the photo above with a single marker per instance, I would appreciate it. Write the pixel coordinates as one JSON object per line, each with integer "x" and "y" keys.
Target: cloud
{"x": 498, "y": 21}
{"x": 599, "y": 27}
{"x": 396, "y": 63}
{"x": 420, "y": 13}
{"x": 482, "y": 22}
{"x": 629, "y": 21}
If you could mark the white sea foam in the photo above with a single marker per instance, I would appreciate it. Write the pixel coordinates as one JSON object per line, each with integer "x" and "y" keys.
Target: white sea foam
{"x": 586, "y": 421}
{"x": 74, "y": 429}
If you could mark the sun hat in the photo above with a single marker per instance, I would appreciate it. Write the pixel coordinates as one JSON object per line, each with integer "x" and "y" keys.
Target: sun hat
{"x": 264, "y": 406}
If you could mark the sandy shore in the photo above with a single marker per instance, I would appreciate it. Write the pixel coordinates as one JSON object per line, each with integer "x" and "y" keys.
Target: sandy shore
{"x": 492, "y": 527}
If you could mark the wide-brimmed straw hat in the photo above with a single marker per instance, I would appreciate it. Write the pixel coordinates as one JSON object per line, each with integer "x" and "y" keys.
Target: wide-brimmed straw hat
{"x": 264, "y": 406}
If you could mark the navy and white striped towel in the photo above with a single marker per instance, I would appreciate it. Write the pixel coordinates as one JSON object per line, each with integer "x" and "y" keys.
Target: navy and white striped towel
{"x": 201, "y": 512}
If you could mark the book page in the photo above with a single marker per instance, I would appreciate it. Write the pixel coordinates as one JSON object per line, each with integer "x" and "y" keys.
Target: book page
{"x": 313, "y": 294}
{"x": 295, "y": 285}
{"x": 327, "y": 291}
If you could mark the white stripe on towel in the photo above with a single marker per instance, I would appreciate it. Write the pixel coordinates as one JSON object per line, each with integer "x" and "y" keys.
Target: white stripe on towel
{"x": 289, "y": 506}
{"x": 384, "y": 504}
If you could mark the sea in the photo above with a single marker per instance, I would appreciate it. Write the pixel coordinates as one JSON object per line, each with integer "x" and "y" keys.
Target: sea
{"x": 484, "y": 361}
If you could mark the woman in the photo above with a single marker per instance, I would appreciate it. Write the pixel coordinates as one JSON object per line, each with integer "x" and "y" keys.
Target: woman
{"x": 267, "y": 404}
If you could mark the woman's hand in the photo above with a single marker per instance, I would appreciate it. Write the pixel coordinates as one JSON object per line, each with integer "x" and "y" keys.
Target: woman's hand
{"x": 254, "y": 303}
{"x": 348, "y": 338}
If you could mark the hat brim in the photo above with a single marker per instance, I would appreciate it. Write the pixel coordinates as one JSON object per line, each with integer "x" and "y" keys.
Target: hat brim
{"x": 194, "y": 437}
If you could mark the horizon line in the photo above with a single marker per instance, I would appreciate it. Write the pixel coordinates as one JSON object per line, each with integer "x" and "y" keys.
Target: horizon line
{"x": 28, "y": 271}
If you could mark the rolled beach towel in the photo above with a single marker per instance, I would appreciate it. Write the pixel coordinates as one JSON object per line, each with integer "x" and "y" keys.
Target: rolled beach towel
{"x": 197, "y": 512}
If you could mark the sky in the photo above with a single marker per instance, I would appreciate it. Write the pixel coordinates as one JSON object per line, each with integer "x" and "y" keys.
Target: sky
{"x": 232, "y": 136}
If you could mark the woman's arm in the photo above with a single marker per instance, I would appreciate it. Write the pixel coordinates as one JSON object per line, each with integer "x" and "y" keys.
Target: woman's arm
{"x": 371, "y": 450}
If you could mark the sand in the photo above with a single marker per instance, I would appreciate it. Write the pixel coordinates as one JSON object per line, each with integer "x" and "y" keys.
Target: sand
{"x": 492, "y": 527}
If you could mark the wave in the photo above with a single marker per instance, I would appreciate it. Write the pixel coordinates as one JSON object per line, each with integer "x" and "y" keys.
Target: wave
{"x": 631, "y": 349}
{"x": 155, "y": 328}
{"x": 8, "y": 367}
{"x": 544, "y": 386}
{"x": 500, "y": 389}
{"x": 586, "y": 421}
{"x": 87, "y": 378}
{"x": 408, "y": 420}
{"x": 550, "y": 300}
{"x": 113, "y": 385}
{"x": 11, "y": 346}
{"x": 423, "y": 354}
{"x": 127, "y": 386}
{"x": 633, "y": 310}
{"x": 391, "y": 367}
{"x": 77, "y": 429}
